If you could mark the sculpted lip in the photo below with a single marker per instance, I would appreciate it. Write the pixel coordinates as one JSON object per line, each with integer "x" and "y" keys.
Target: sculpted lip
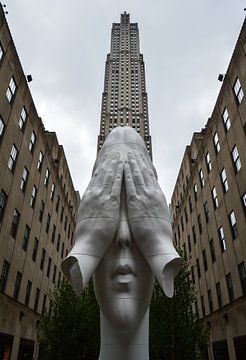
{"x": 123, "y": 270}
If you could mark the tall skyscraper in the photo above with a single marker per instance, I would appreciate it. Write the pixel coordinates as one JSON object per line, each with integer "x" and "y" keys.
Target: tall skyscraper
{"x": 209, "y": 209}
{"x": 124, "y": 100}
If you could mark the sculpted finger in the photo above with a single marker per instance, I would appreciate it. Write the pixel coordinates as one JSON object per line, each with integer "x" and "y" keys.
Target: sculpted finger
{"x": 106, "y": 171}
{"x": 135, "y": 170}
{"x": 147, "y": 171}
{"x": 117, "y": 181}
{"x": 110, "y": 172}
{"x": 130, "y": 186}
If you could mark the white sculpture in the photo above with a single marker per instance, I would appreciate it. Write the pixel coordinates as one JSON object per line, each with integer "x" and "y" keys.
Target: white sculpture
{"x": 123, "y": 236}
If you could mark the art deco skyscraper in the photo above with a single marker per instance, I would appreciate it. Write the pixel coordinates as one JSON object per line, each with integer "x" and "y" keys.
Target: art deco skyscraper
{"x": 124, "y": 100}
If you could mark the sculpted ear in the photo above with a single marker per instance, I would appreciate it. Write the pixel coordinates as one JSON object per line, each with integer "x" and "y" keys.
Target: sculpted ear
{"x": 78, "y": 269}
{"x": 169, "y": 272}
{"x": 165, "y": 267}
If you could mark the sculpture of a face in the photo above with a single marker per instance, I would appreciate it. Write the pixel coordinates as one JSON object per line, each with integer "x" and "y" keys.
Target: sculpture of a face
{"x": 123, "y": 280}
{"x": 123, "y": 234}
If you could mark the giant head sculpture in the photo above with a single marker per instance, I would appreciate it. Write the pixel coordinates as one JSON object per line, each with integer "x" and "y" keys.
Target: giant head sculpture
{"x": 123, "y": 237}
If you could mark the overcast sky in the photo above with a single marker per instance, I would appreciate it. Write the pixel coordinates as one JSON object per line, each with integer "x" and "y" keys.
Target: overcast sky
{"x": 186, "y": 44}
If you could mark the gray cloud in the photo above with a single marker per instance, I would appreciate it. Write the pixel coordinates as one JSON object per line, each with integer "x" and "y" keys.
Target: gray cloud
{"x": 185, "y": 46}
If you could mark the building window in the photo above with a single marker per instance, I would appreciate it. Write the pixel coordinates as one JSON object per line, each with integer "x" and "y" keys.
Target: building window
{"x": 40, "y": 160}
{"x": 238, "y": 91}
{"x": 47, "y": 223}
{"x": 199, "y": 221}
{"x": 236, "y": 159}
{"x": 215, "y": 198}
{"x": 233, "y": 225}
{"x": 46, "y": 179}
{"x": 210, "y": 301}
{"x": 230, "y": 287}
{"x": 178, "y": 232}
{"x": 52, "y": 192}
{"x": 24, "y": 179}
{"x": 62, "y": 250}
{"x": 201, "y": 178}
{"x": 182, "y": 223}
{"x": 186, "y": 215}
{"x": 57, "y": 203}
{"x": 3, "y": 201}
{"x": 206, "y": 211}
{"x": 205, "y": 263}
{"x": 15, "y": 223}
{"x": 58, "y": 242}
{"x": 195, "y": 191}
{"x": 198, "y": 268}
{"x": 212, "y": 250}
{"x": 69, "y": 229}
{"x": 2, "y": 127}
{"x": 189, "y": 243}
{"x": 17, "y": 285}
{"x": 48, "y": 267}
{"x": 222, "y": 239}
{"x": 4, "y": 276}
{"x": 35, "y": 249}
{"x": 219, "y": 294}
{"x": 42, "y": 259}
{"x": 22, "y": 119}
{"x": 59, "y": 279}
{"x": 12, "y": 158}
{"x": 208, "y": 162}
{"x": 192, "y": 274}
{"x": 224, "y": 180}
{"x": 54, "y": 274}
{"x": 26, "y": 237}
{"x": 194, "y": 233}
{"x": 226, "y": 119}
{"x": 203, "y": 306}
{"x": 41, "y": 211}
{"x": 242, "y": 275}
{"x": 44, "y": 304}
{"x": 11, "y": 89}
{"x": 28, "y": 292}
{"x": 53, "y": 233}
{"x": 36, "y": 299}
{"x": 33, "y": 196}
{"x": 32, "y": 142}
{"x": 62, "y": 212}
{"x": 216, "y": 143}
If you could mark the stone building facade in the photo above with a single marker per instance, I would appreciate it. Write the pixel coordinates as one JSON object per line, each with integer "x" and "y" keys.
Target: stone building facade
{"x": 209, "y": 208}
{"x": 37, "y": 208}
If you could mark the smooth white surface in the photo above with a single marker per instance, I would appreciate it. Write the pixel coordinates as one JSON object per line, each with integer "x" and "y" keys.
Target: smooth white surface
{"x": 131, "y": 345}
{"x": 123, "y": 236}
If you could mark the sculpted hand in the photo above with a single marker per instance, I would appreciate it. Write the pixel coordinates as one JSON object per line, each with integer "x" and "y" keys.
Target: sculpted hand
{"x": 149, "y": 220}
{"x": 98, "y": 214}
{"x": 97, "y": 221}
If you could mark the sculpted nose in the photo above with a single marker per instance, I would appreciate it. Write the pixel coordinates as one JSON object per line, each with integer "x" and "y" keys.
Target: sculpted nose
{"x": 123, "y": 236}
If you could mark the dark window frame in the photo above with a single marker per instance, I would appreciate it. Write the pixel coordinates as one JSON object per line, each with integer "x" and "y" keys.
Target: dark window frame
{"x": 15, "y": 223}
